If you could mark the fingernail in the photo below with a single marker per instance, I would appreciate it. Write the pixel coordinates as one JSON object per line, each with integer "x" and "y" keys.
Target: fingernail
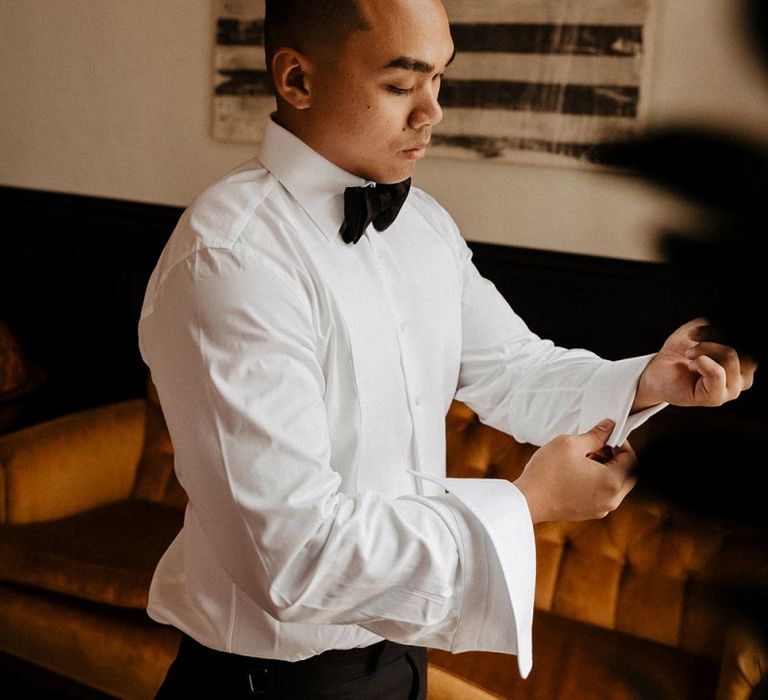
{"x": 606, "y": 424}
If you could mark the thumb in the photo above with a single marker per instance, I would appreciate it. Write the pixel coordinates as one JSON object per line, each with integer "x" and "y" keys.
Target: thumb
{"x": 596, "y": 438}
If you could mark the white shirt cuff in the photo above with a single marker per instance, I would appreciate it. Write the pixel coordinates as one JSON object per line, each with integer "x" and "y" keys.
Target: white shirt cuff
{"x": 498, "y": 556}
{"x": 611, "y": 393}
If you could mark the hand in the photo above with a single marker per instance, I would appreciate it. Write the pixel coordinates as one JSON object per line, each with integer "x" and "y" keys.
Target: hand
{"x": 577, "y": 477}
{"x": 694, "y": 368}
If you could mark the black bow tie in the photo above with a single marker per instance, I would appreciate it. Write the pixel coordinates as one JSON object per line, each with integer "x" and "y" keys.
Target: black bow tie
{"x": 379, "y": 204}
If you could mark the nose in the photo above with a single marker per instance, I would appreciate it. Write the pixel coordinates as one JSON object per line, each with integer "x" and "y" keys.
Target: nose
{"x": 427, "y": 112}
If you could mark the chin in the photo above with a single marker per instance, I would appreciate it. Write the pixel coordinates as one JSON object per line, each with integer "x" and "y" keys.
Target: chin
{"x": 389, "y": 172}
{"x": 395, "y": 175}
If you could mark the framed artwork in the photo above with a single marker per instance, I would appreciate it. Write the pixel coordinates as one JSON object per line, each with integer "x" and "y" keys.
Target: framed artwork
{"x": 534, "y": 81}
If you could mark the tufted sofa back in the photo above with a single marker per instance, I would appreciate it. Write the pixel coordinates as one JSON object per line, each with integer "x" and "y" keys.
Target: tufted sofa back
{"x": 641, "y": 570}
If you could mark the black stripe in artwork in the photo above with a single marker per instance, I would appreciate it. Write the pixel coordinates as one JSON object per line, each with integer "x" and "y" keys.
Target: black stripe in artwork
{"x": 579, "y": 39}
{"x": 575, "y": 39}
{"x": 235, "y": 32}
{"x": 495, "y": 147}
{"x": 595, "y": 100}
{"x": 244, "y": 83}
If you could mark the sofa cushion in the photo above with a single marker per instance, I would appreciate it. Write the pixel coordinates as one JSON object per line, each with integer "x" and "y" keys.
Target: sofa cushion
{"x": 119, "y": 651}
{"x": 106, "y": 555}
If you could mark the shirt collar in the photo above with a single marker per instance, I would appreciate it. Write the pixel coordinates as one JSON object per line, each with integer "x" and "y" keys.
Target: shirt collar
{"x": 313, "y": 181}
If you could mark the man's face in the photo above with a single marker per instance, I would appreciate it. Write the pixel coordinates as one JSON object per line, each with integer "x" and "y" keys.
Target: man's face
{"x": 374, "y": 102}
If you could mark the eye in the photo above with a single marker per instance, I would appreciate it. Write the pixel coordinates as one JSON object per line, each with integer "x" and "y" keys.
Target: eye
{"x": 398, "y": 90}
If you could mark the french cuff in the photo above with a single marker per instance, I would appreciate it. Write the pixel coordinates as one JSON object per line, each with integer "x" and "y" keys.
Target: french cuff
{"x": 610, "y": 393}
{"x": 498, "y": 557}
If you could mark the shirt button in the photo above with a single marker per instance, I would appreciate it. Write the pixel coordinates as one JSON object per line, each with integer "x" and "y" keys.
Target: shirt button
{"x": 380, "y": 254}
{"x": 418, "y": 401}
{"x": 403, "y": 326}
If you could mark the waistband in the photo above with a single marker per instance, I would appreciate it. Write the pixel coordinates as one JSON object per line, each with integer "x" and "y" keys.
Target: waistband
{"x": 266, "y": 674}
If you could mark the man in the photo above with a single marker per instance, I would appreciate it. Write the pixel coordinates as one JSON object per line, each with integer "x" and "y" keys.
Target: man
{"x": 305, "y": 362}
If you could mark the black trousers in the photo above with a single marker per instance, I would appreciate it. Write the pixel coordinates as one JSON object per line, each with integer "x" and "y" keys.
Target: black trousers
{"x": 384, "y": 671}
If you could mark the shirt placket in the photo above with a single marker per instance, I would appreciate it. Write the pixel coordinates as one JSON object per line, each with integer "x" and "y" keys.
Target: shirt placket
{"x": 402, "y": 321}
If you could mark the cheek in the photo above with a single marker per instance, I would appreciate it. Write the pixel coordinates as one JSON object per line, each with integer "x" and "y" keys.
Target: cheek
{"x": 371, "y": 119}
{"x": 365, "y": 118}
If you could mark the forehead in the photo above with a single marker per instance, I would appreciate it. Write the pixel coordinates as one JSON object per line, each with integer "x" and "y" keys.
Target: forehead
{"x": 417, "y": 29}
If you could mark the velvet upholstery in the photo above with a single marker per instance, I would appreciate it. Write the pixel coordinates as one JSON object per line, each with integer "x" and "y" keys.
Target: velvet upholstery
{"x": 115, "y": 650}
{"x": 585, "y": 662}
{"x": 106, "y": 554}
{"x": 70, "y": 464}
{"x": 155, "y": 478}
{"x": 445, "y": 685}
{"x": 624, "y": 604}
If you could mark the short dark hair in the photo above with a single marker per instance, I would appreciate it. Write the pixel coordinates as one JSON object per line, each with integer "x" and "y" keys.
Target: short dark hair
{"x": 304, "y": 25}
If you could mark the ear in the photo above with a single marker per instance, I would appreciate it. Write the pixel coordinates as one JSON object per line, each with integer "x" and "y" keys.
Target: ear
{"x": 291, "y": 71}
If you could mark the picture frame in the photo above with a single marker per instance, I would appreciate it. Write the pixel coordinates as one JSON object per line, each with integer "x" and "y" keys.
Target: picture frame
{"x": 533, "y": 81}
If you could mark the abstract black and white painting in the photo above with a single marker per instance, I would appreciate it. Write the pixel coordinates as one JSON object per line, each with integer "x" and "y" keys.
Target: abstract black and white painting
{"x": 534, "y": 81}
{"x": 242, "y": 96}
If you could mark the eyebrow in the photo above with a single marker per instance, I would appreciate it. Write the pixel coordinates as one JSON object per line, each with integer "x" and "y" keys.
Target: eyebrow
{"x": 414, "y": 64}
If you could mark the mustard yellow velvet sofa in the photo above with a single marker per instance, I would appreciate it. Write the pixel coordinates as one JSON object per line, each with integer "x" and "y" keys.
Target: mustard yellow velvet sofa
{"x": 626, "y": 606}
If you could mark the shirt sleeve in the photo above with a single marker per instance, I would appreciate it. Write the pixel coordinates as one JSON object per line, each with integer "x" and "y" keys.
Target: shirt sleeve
{"x": 530, "y": 388}
{"x": 533, "y": 390}
{"x": 497, "y": 545}
{"x": 231, "y": 347}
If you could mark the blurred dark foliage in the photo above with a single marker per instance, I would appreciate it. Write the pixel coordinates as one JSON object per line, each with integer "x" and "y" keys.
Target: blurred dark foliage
{"x": 710, "y": 468}
{"x": 721, "y": 269}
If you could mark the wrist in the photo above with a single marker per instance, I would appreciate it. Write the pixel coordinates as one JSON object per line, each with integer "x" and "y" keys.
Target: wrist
{"x": 528, "y": 492}
{"x": 645, "y": 394}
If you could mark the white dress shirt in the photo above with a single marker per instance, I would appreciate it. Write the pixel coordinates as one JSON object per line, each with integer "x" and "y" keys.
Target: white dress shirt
{"x": 305, "y": 383}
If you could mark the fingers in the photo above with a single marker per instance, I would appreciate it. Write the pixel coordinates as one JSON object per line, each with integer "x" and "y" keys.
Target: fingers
{"x": 704, "y": 332}
{"x": 695, "y": 327}
{"x": 712, "y": 343}
{"x": 617, "y": 480}
{"x": 629, "y": 483}
{"x": 594, "y": 440}
{"x": 622, "y": 476}
{"x": 725, "y": 374}
{"x": 562, "y": 482}
{"x": 686, "y": 336}
{"x": 618, "y": 477}
{"x": 623, "y": 460}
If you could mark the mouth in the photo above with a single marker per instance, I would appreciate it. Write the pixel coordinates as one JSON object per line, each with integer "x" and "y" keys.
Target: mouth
{"x": 416, "y": 152}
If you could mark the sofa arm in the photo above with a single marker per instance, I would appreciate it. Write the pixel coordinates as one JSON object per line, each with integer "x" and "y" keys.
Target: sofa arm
{"x": 69, "y": 464}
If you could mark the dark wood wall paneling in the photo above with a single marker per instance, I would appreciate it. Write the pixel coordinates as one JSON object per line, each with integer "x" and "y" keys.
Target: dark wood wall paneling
{"x": 72, "y": 275}
{"x": 617, "y": 308}
{"x": 73, "y": 271}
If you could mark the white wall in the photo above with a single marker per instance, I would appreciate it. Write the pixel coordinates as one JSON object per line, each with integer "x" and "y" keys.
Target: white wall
{"x": 112, "y": 98}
